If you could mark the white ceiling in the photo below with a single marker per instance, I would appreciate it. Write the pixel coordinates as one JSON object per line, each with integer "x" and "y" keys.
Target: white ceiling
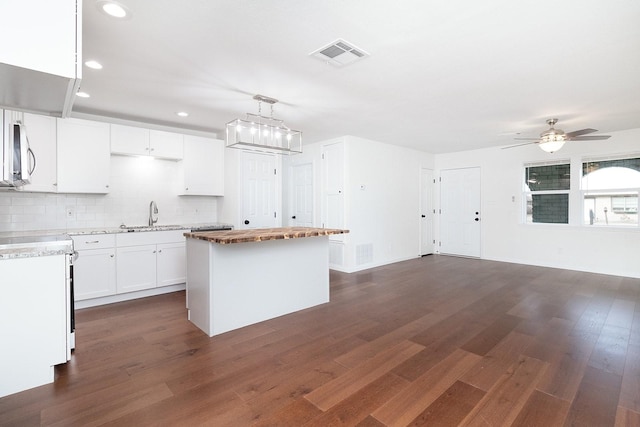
{"x": 442, "y": 76}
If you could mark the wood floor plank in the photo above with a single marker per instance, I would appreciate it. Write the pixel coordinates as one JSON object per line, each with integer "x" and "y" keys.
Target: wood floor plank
{"x": 482, "y": 343}
{"x": 451, "y": 407}
{"x": 542, "y": 410}
{"x": 105, "y": 407}
{"x": 359, "y": 405}
{"x": 630, "y": 389}
{"x": 503, "y": 402}
{"x": 596, "y": 402}
{"x": 627, "y": 418}
{"x": 370, "y": 349}
{"x": 422, "y": 392}
{"x": 342, "y": 387}
{"x": 566, "y": 369}
{"x": 297, "y": 413}
{"x": 490, "y": 369}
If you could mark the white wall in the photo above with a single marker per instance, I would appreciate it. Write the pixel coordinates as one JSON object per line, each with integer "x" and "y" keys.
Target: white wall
{"x": 576, "y": 247}
{"x": 134, "y": 182}
{"x": 386, "y": 213}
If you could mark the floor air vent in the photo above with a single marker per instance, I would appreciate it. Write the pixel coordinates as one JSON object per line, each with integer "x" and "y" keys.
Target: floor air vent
{"x": 339, "y": 53}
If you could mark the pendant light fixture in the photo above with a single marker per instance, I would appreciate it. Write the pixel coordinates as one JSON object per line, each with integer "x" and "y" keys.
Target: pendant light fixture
{"x": 263, "y": 134}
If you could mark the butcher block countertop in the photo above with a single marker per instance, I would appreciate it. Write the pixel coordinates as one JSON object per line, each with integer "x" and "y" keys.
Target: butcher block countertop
{"x": 261, "y": 234}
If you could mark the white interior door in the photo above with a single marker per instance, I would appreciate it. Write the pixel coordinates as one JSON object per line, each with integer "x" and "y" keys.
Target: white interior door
{"x": 460, "y": 212}
{"x": 333, "y": 187}
{"x": 426, "y": 211}
{"x": 258, "y": 190}
{"x": 302, "y": 212}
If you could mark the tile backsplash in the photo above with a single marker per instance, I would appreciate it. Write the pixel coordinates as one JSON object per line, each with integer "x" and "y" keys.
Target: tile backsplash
{"x": 134, "y": 183}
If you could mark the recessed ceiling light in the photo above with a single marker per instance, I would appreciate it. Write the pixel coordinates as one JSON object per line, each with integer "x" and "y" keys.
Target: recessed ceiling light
{"x": 182, "y": 114}
{"x": 83, "y": 94}
{"x": 113, "y": 8}
{"x": 93, "y": 64}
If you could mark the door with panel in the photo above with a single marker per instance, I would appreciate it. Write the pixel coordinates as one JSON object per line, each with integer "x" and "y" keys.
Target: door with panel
{"x": 302, "y": 195}
{"x": 426, "y": 211}
{"x": 460, "y": 212}
{"x": 259, "y": 176}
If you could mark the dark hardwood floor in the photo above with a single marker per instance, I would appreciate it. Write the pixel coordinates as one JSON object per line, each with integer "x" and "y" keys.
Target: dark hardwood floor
{"x": 437, "y": 341}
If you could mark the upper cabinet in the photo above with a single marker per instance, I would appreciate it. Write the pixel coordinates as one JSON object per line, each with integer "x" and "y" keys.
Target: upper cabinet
{"x": 135, "y": 141}
{"x": 37, "y": 73}
{"x": 202, "y": 168}
{"x": 166, "y": 145}
{"x": 83, "y": 156}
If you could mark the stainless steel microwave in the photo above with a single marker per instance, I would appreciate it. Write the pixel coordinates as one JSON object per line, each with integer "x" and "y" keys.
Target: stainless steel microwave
{"x": 18, "y": 160}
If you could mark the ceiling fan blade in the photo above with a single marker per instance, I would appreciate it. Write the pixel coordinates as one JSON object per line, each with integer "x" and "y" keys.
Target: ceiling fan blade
{"x": 527, "y": 139}
{"x": 590, "y": 138}
{"x": 580, "y": 132}
{"x": 520, "y": 145}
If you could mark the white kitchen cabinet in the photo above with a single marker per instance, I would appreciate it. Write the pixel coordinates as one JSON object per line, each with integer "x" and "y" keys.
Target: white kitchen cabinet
{"x": 41, "y": 133}
{"x": 94, "y": 266}
{"x": 166, "y": 145}
{"x": 129, "y": 140}
{"x": 137, "y": 141}
{"x": 83, "y": 156}
{"x": 202, "y": 168}
{"x": 136, "y": 268}
{"x": 172, "y": 261}
{"x": 150, "y": 259}
{"x": 33, "y": 321}
{"x": 41, "y": 54}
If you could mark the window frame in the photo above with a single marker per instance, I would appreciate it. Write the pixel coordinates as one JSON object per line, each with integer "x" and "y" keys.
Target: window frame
{"x": 527, "y": 192}
{"x": 613, "y": 192}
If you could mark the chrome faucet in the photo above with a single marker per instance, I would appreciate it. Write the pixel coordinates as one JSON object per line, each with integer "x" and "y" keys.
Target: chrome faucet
{"x": 153, "y": 209}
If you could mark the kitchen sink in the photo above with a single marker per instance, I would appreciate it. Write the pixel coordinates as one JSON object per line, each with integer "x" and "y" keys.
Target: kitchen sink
{"x": 132, "y": 228}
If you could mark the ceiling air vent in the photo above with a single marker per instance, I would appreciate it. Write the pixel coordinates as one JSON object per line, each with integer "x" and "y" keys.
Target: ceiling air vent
{"x": 339, "y": 53}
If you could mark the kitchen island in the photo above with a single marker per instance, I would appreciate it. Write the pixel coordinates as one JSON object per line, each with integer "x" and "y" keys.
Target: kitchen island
{"x": 241, "y": 277}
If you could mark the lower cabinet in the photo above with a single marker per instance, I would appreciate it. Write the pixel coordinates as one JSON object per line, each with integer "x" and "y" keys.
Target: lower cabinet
{"x": 135, "y": 268}
{"x": 94, "y": 266}
{"x": 128, "y": 262}
{"x": 172, "y": 264}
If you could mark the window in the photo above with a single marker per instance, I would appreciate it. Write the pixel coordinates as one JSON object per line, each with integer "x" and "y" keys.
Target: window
{"x": 610, "y": 189}
{"x": 546, "y": 191}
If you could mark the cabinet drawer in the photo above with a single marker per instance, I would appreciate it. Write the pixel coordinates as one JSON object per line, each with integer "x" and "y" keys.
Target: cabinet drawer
{"x": 93, "y": 241}
{"x": 150, "y": 237}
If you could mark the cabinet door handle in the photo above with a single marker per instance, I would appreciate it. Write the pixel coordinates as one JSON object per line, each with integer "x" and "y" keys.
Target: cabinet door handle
{"x": 160, "y": 251}
{"x": 154, "y": 252}
{"x": 112, "y": 255}
{"x": 92, "y": 242}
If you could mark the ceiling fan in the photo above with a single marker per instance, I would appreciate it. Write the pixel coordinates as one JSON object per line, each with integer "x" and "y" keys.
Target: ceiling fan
{"x": 552, "y": 139}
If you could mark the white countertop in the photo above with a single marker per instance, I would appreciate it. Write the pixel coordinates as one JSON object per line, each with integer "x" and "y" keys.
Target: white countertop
{"x": 24, "y": 244}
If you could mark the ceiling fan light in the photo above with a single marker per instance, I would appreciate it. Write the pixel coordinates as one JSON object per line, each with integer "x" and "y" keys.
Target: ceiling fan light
{"x": 551, "y": 146}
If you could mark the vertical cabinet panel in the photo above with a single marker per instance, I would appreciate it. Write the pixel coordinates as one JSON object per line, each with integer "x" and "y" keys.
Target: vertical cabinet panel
{"x": 202, "y": 167}
{"x": 166, "y": 145}
{"x": 171, "y": 264}
{"x": 94, "y": 274}
{"x": 129, "y": 140}
{"x": 135, "y": 268}
{"x": 83, "y": 156}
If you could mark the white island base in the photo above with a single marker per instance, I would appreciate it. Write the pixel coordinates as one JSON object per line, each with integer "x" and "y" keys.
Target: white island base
{"x": 234, "y": 285}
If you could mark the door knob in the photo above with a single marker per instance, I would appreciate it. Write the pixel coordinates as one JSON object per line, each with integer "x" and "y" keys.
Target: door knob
{"x": 246, "y": 221}
{"x": 293, "y": 217}
{"x": 477, "y": 219}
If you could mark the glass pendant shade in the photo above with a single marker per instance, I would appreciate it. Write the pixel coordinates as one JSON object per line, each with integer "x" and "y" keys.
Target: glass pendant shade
{"x": 263, "y": 134}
